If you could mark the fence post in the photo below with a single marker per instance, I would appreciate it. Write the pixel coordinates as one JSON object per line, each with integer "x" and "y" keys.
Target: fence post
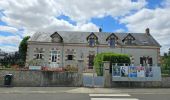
{"x": 80, "y": 71}
{"x": 107, "y": 75}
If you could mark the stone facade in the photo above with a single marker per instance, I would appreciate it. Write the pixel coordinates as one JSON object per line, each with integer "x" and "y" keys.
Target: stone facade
{"x": 72, "y": 46}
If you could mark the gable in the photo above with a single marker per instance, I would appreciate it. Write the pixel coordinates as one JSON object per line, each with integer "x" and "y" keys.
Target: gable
{"x": 129, "y": 36}
{"x": 112, "y": 36}
{"x": 55, "y": 37}
{"x": 92, "y": 35}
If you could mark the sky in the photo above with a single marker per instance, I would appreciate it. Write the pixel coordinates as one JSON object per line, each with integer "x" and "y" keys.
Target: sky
{"x": 20, "y": 18}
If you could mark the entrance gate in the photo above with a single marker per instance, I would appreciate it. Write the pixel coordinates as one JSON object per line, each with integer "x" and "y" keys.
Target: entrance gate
{"x": 91, "y": 79}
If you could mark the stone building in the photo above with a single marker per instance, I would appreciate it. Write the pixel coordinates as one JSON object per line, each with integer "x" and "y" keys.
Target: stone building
{"x": 64, "y": 48}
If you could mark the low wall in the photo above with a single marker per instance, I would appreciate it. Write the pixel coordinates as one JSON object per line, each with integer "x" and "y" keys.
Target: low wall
{"x": 164, "y": 83}
{"x": 42, "y": 78}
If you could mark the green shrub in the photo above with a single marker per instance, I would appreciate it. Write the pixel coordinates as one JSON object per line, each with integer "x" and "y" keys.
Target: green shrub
{"x": 112, "y": 58}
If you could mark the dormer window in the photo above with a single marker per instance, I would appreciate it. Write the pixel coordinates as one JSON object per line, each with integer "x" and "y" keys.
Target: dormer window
{"x": 128, "y": 40}
{"x": 92, "y": 39}
{"x": 55, "y": 37}
{"x": 112, "y": 40}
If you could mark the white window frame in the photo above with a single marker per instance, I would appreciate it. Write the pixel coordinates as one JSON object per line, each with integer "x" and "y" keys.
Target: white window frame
{"x": 53, "y": 54}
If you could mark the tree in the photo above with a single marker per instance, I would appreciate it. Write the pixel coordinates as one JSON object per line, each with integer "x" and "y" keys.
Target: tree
{"x": 165, "y": 63}
{"x": 23, "y": 49}
{"x": 112, "y": 58}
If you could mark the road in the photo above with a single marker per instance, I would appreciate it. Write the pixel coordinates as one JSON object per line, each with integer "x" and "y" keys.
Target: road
{"x": 71, "y": 93}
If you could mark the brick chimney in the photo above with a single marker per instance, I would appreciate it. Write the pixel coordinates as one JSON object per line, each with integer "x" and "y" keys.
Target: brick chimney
{"x": 147, "y": 31}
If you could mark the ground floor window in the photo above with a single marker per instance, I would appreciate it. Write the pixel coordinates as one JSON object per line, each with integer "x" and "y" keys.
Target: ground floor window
{"x": 146, "y": 60}
{"x": 54, "y": 56}
{"x": 70, "y": 57}
{"x": 91, "y": 61}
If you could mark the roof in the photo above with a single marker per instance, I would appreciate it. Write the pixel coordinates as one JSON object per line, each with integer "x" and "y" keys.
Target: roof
{"x": 80, "y": 37}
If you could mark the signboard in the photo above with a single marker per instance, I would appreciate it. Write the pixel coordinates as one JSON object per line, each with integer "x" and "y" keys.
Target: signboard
{"x": 149, "y": 72}
{"x": 136, "y": 73}
{"x": 34, "y": 67}
{"x": 116, "y": 71}
{"x": 140, "y": 71}
{"x": 124, "y": 71}
{"x": 132, "y": 71}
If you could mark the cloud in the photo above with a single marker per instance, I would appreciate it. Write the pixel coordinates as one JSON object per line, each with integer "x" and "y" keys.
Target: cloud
{"x": 156, "y": 19}
{"x": 7, "y": 48}
{"x": 41, "y": 15}
{"x": 8, "y": 29}
{"x": 10, "y": 40}
{"x": 37, "y": 15}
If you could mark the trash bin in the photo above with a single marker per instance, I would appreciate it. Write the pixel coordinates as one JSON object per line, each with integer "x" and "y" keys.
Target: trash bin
{"x": 8, "y": 79}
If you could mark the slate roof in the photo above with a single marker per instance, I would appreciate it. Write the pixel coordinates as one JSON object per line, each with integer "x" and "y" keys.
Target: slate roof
{"x": 80, "y": 37}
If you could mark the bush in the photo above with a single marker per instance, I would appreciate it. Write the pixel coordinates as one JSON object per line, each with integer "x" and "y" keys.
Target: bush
{"x": 112, "y": 57}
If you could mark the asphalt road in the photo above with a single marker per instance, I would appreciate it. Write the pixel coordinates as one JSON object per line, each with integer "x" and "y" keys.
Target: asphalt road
{"x": 82, "y": 96}
{"x": 83, "y": 93}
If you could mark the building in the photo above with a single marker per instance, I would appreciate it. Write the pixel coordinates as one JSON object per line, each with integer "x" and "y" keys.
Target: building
{"x": 62, "y": 48}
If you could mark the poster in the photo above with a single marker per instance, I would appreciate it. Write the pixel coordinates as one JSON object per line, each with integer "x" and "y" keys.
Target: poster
{"x": 149, "y": 72}
{"x": 116, "y": 71}
{"x": 132, "y": 71}
{"x": 124, "y": 71}
{"x": 140, "y": 71}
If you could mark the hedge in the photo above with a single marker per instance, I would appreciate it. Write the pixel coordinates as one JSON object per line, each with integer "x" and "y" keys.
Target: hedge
{"x": 112, "y": 57}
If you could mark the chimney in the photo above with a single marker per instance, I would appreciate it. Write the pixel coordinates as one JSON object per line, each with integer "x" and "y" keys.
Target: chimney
{"x": 100, "y": 29}
{"x": 147, "y": 32}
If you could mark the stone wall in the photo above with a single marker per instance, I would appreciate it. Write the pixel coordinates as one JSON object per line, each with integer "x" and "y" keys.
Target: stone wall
{"x": 42, "y": 78}
{"x": 83, "y": 50}
{"x": 165, "y": 83}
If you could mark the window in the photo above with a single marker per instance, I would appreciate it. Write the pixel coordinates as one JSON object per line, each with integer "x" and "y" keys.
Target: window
{"x": 129, "y": 39}
{"x": 70, "y": 57}
{"x": 91, "y": 61}
{"x": 91, "y": 41}
{"x": 39, "y": 53}
{"x": 146, "y": 60}
{"x": 112, "y": 42}
{"x": 54, "y": 56}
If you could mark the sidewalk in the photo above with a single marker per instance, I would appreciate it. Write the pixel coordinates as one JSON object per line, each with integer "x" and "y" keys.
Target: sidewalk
{"x": 82, "y": 90}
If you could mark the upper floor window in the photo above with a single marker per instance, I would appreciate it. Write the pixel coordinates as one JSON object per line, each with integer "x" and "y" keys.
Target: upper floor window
{"x": 112, "y": 40}
{"x": 129, "y": 39}
{"x": 92, "y": 39}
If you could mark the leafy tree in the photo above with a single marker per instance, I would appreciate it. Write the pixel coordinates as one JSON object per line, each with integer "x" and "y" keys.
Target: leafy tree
{"x": 165, "y": 63}
{"x": 23, "y": 49}
{"x": 112, "y": 57}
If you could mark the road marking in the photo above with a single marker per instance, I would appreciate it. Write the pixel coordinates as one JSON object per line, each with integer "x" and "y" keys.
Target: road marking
{"x": 109, "y": 95}
{"x": 114, "y": 99}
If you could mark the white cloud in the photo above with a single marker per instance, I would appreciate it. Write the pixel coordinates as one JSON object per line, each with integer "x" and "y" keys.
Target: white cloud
{"x": 10, "y": 39}
{"x": 8, "y": 29}
{"x": 41, "y": 15}
{"x": 156, "y": 19}
{"x": 37, "y": 15}
{"x": 7, "y": 48}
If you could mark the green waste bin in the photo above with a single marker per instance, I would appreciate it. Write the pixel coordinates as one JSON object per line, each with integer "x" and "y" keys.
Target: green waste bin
{"x": 8, "y": 79}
